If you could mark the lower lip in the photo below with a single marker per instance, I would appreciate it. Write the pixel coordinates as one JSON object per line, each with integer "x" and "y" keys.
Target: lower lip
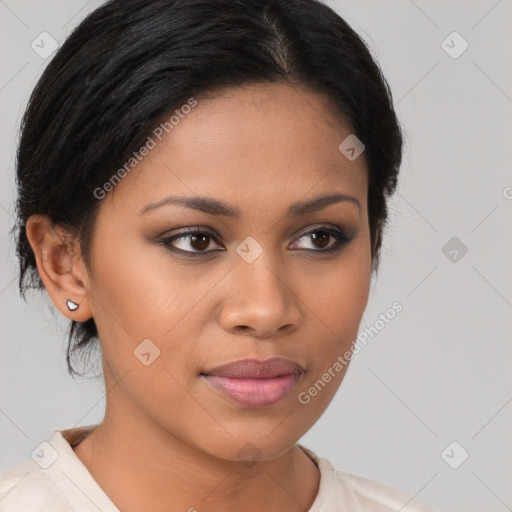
{"x": 254, "y": 392}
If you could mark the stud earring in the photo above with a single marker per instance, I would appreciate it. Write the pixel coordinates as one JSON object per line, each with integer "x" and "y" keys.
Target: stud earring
{"x": 72, "y": 306}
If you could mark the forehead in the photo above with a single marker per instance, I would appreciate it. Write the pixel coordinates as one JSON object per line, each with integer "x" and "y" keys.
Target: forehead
{"x": 261, "y": 142}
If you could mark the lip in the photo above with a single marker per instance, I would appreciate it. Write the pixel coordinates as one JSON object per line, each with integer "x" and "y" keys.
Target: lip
{"x": 254, "y": 383}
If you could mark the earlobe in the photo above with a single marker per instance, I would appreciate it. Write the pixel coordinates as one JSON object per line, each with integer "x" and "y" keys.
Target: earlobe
{"x": 60, "y": 268}
{"x": 72, "y": 306}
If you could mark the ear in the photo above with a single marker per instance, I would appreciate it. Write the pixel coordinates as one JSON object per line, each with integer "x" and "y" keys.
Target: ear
{"x": 60, "y": 266}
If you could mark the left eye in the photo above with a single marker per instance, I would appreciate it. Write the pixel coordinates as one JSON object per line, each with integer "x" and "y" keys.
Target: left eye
{"x": 319, "y": 240}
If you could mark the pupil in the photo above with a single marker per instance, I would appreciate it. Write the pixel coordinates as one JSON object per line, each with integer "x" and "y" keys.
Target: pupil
{"x": 203, "y": 245}
{"x": 323, "y": 238}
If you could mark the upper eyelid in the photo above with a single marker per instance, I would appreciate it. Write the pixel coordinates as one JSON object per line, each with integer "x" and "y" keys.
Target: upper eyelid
{"x": 184, "y": 232}
{"x": 301, "y": 232}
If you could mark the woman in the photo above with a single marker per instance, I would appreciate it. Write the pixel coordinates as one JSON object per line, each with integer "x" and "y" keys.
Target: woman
{"x": 202, "y": 188}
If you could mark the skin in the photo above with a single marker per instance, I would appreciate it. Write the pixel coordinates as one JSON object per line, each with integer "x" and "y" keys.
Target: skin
{"x": 168, "y": 439}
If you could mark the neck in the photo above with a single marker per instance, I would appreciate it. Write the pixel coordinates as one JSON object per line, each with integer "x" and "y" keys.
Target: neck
{"x": 142, "y": 468}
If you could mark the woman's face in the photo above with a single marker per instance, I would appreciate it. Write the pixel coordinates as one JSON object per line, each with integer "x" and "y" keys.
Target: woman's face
{"x": 255, "y": 285}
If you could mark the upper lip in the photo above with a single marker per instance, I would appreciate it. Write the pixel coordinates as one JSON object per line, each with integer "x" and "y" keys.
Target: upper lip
{"x": 254, "y": 368}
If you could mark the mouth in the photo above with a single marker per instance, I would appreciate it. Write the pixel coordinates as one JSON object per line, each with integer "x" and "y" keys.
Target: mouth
{"x": 253, "y": 383}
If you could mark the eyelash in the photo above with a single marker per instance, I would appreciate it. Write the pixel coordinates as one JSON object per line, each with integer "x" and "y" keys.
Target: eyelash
{"x": 340, "y": 236}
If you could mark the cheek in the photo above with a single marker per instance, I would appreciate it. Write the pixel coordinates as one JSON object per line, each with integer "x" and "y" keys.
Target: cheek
{"x": 337, "y": 300}
{"x": 338, "y": 296}
{"x": 140, "y": 304}
{"x": 139, "y": 294}
{"x": 135, "y": 290}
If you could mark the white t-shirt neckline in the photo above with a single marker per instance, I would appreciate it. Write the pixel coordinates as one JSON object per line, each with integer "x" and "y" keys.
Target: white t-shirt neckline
{"x": 60, "y": 482}
{"x": 84, "y": 493}
{"x": 72, "y": 477}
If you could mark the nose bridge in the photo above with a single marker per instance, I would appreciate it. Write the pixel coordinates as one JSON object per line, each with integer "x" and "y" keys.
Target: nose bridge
{"x": 261, "y": 278}
{"x": 260, "y": 299}
{"x": 253, "y": 262}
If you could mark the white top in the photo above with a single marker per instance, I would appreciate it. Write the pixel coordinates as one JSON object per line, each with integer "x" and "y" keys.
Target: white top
{"x": 56, "y": 480}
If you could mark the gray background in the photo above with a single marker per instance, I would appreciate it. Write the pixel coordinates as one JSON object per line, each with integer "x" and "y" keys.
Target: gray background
{"x": 440, "y": 370}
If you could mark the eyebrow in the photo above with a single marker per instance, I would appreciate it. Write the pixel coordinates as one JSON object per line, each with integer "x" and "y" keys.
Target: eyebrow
{"x": 215, "y": 207}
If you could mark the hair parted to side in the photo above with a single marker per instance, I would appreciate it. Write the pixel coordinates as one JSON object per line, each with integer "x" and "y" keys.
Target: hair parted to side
{"x": 130, "y": 62}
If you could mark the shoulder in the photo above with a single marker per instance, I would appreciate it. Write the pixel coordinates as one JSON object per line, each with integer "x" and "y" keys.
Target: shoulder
{"x": 340, "y": 490}
{"x": 377, "y": 496}
{"x": 26, "y": 487}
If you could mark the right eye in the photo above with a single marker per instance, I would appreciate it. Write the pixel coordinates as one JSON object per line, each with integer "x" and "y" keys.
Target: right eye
{"x": 193, "y": 241}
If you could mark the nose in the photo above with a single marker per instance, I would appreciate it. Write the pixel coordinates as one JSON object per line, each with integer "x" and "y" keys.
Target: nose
{"x": 261, "y": 301}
